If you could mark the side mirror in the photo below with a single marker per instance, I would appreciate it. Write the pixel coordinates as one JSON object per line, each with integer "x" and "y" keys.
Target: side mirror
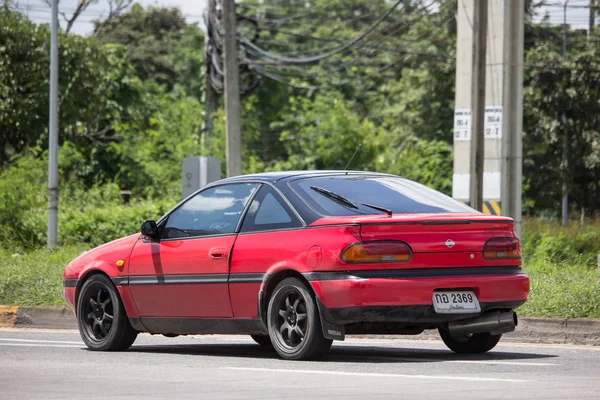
{"x": 149, "y": 229}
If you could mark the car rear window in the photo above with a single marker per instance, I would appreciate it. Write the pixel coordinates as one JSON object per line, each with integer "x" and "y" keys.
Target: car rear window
{"x": 399, "y": 195}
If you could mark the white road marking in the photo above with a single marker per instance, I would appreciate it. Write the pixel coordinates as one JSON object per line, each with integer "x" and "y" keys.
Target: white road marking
{"x": 38, "y": 341}
{"x": 417, "y": 358}
{"x": 40, "y": 345}
{"x": 551, "y": 346}
{"x": 378, "y": 375}
{"x": 533, "y": 364}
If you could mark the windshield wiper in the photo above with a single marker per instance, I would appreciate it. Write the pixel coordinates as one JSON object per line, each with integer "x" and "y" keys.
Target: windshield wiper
{"x": 334, "y": 196}
{"x": 341, "y": 199}
{"x": 385, "y": 210}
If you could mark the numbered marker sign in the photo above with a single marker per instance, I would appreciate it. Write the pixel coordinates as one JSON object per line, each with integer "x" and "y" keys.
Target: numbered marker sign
{"x": 462, "y": 124}
{"x": 493, "y": 122}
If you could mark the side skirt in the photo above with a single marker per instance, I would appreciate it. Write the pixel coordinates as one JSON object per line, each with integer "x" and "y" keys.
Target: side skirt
{"x": 199, "y": 326}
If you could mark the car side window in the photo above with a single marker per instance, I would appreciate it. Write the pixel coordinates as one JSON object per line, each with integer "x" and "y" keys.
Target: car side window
{"x": 213, "y": 211}
{"x": 269, "y": 211}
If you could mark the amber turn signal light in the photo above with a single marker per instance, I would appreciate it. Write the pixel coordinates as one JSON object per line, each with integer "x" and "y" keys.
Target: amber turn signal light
{"x": 376, "y": 252}
{"x": 502, "y": 249}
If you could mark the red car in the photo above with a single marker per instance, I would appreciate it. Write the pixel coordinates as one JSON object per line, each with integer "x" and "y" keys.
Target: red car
{"x": 299, "y": 259}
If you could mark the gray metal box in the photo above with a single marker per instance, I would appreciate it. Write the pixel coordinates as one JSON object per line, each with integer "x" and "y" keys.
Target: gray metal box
{"x": 198, "y": 172}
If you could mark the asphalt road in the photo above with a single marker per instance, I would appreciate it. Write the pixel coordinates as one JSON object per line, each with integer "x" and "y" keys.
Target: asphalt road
{"x": 38, "y": 364}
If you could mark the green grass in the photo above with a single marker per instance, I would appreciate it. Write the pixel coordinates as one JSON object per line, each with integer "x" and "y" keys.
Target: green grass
{"x": 562, "y": 290}
{"x": 561, "y": 262}
{"x": 562, "y": 265}
{"x": 34, "y": 277}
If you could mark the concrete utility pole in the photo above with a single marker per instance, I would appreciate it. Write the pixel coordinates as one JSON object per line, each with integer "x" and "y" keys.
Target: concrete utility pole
{"x": 210, "y": 95}
{"x": 232, "y": 92}
{"x": 53, "y": 133}
{"x": 592, "y": 20}
{"x": 512, "y": 101}
{"x": 503, "y": 110}
{"x": 478, "y": 102}
{"x": 565, "y": 193}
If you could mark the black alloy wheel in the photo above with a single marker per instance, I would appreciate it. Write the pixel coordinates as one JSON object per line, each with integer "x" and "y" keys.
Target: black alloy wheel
{"x": 294, "y": 323}
{"x": 101, "y": 318}
{"x": 469, "y": 344}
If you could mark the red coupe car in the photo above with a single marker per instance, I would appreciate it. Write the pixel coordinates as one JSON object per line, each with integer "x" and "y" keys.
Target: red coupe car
{"x": 299, "y": 259}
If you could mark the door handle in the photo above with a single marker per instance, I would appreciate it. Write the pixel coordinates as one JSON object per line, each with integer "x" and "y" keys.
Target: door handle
{"x": 217, "y": 253}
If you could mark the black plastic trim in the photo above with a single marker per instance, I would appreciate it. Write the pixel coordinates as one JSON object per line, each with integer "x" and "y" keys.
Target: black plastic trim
{"x": 177, "y": 279}
{"x": 136, "y": 324}
{"x": 411, "y": 273}
{"x": 256, "y": 277}
{"x": 411, "y": 314}
{"x": 70, "y": 282}
{"x": 261, "y": 309}
{"x": 196, "y": 326}
{"x": 188, "y": 279}
{"x": 330, "y": 329}
{"x": 120, "y": 280}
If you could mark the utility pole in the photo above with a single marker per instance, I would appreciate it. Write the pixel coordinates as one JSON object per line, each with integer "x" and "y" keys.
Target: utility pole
{"x": 503, "y": 126}
{"x": 565, "y": 194}
{"x": 232, "y": 92}
{"x": 512, "y": 104}
{"x": 210, "y": 95}
{"x": 592, "y": 21}
{"x": 53, "y": 133}
{"x": 478, "y": 103}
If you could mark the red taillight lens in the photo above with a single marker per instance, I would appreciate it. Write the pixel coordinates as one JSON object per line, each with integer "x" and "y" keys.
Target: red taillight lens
{"x": 376, "y": 252}
{"x": 502, "y": 249}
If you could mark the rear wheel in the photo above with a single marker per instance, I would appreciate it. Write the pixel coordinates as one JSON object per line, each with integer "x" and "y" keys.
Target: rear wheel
{"x": 101, "y": 318}
{"x": 294, "y": 323}
{"x": 471, "y": 344}
{"x": 263, "y": 340}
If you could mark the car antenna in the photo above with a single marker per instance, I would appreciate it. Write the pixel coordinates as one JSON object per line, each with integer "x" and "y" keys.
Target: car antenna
{"x": 352, "y": 158}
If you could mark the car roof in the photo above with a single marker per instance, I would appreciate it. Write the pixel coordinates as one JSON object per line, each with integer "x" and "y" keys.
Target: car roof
{"x": 273, "y": 177}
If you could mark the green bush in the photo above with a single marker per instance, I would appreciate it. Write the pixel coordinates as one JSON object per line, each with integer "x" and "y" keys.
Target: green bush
{"x": 100, "y": 224}
{"x": 86, "y": 215}
{"x": 573, "y": 244}
{"x": 22, "y": 192}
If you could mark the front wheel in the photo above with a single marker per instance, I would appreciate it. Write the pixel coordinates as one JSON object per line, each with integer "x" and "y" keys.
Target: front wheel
{"x": 101, "y": 318}
{"x": 472, "y": 344}
{"x": 294, "y": 323}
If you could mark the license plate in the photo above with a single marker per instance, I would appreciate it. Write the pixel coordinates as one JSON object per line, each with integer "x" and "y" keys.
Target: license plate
{"x": 455, "y": 302}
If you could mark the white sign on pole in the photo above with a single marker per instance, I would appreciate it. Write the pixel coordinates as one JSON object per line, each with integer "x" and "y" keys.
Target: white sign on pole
{"x": 493, "y": 122}
{"x": 462, "y": 124}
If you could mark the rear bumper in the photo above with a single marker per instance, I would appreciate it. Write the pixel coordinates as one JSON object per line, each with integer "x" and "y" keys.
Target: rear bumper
{"x": 351, "y": 297}
{"x": 423, "y": 316}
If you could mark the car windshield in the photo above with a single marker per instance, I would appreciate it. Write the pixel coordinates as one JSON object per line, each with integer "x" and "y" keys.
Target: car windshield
{"x": 398, "y": 195}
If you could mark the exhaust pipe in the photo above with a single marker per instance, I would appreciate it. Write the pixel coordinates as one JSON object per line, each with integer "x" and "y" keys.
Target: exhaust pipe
{"x": 495, "y": 322}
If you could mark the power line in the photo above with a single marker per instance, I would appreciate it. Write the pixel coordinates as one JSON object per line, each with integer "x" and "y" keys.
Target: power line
{"x": 312, "y": 59}
{"x": 272, "y": 65}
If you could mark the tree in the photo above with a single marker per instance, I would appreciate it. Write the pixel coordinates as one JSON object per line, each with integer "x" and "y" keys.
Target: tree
{"x": 562, "y": 107}
{"x": 97, "y": 88}
{"x": 115, "y": 8}
{"x": 159, "y": 44}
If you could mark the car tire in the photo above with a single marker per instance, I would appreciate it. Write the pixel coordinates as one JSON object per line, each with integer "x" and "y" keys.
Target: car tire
{"x": 263, "y": 340}
{"x": 294, "y": 323}
{"x": 473, "y": 344}
{"x": 101, "y": 318}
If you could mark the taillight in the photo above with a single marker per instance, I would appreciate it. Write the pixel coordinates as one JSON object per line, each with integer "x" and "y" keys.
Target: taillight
{"x": 502, "y": 249}
{"x": 376, "y": 252}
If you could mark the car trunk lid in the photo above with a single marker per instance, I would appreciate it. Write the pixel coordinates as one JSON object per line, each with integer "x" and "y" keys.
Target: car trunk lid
{"x": 436, "y": 234}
